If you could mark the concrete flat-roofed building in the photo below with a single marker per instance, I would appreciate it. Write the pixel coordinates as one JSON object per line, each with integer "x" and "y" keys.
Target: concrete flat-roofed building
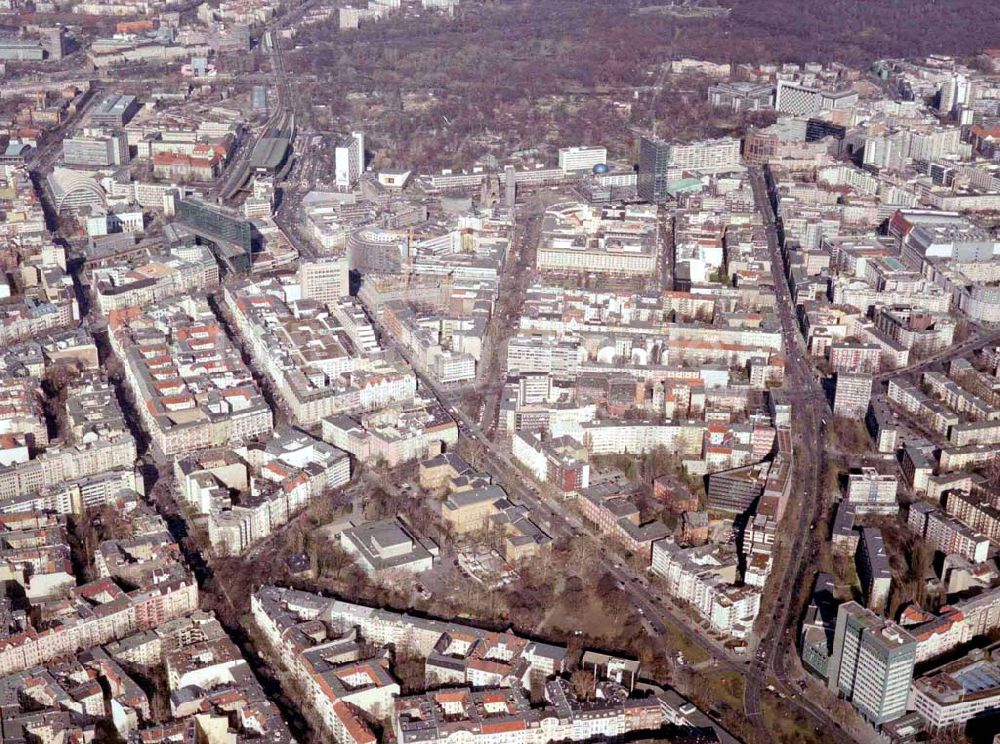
{"x": 872, "y": 492}
{"x": 736, "y": 490}
{"x": 798, "y": 99}
{"x": 661, "y": 162}
{"x": 881, "y": 427}
{"x": 97, "y": 150}
{"x": 967, "y": 689}
{"x": 21, "y": 50}
{"x": 581, "y": 159}
{"x": 219, "y": 225}
{"x": 349, "y": 160}
{"x": 872, "y": 663}
{"x": 326, "y": 279}
{"x": 852, "y": 394}
{"x": 873, "y": 568}
{"x": 741, "y": 95}
{"x": 819, "y": 626}
{"x": 947, "y": 533}
{"x": 115, "y": 110}
{"x": 579, "y": 238}
{"x": 388, "y": 546}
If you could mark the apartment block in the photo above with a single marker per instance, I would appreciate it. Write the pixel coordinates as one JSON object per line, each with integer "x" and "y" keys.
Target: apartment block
{"x": 249, "y": 494}
{"x": 872, "y": 563}
{"x": 616, "y": 516}
{"x": 184, "y": 270}
{"x": 912, "y": 400}
{"x": 395, "y": 434}
{"x": 871, "y": 492}
{"x": 562, "y": 462}
{"x": 946, "y": 533}
{"x": 309, "y": 358}
{"x": 193, "y": 387}
{"x": 852, "y": 394}
{"x": 705, "y": 577}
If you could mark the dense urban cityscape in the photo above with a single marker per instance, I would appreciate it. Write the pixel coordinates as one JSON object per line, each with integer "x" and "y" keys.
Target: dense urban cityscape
{"x": 498, "y": 372}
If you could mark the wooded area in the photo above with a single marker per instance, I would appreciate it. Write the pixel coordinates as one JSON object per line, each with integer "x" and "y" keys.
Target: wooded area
{"x": 537, "y": 75}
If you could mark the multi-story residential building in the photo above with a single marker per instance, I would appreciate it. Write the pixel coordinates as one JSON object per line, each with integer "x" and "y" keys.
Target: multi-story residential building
{"x": 184, "y": 270}
{"x": 195, "y": 390}
{"x": 882, "y": 427}
{"x": 480, "y": 677}
{"x": 873, "y": 568}
{"x": 916, "y": 329}
{"x": 956, "y": 624}
{"x": 454, "y": 653}
{"x": 705, "y": 578}
{"x": 615, "y": 515}
{"x": 310, "y": 358}
{"x": 917, "y": 467}
{"x": 94, "y": 460}
{"x": 611, "y": 437}
{"x": 872, "y": 492}
{"x": 843, "y": 535}
{"x": 247, "y": 496}
{"x": 959, "y": 399}
{"x": 946, "y": 533}
{"x": 393, "y": 435}
{"x": 100, "y": 612}
{"x": 562, "y": 462}
{"x": 852, "y": 394}
{"x": 855, "y": 358}
{"x": 976, "y": 510}
{"x": 912, "y": 400}
{"x": 872, "y": 663}
{"x": 506, "y": 717}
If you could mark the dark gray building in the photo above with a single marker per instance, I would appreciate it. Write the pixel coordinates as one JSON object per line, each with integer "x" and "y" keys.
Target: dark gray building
{"x": 737, "y": 489}
{"x": 654, "y": 157}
